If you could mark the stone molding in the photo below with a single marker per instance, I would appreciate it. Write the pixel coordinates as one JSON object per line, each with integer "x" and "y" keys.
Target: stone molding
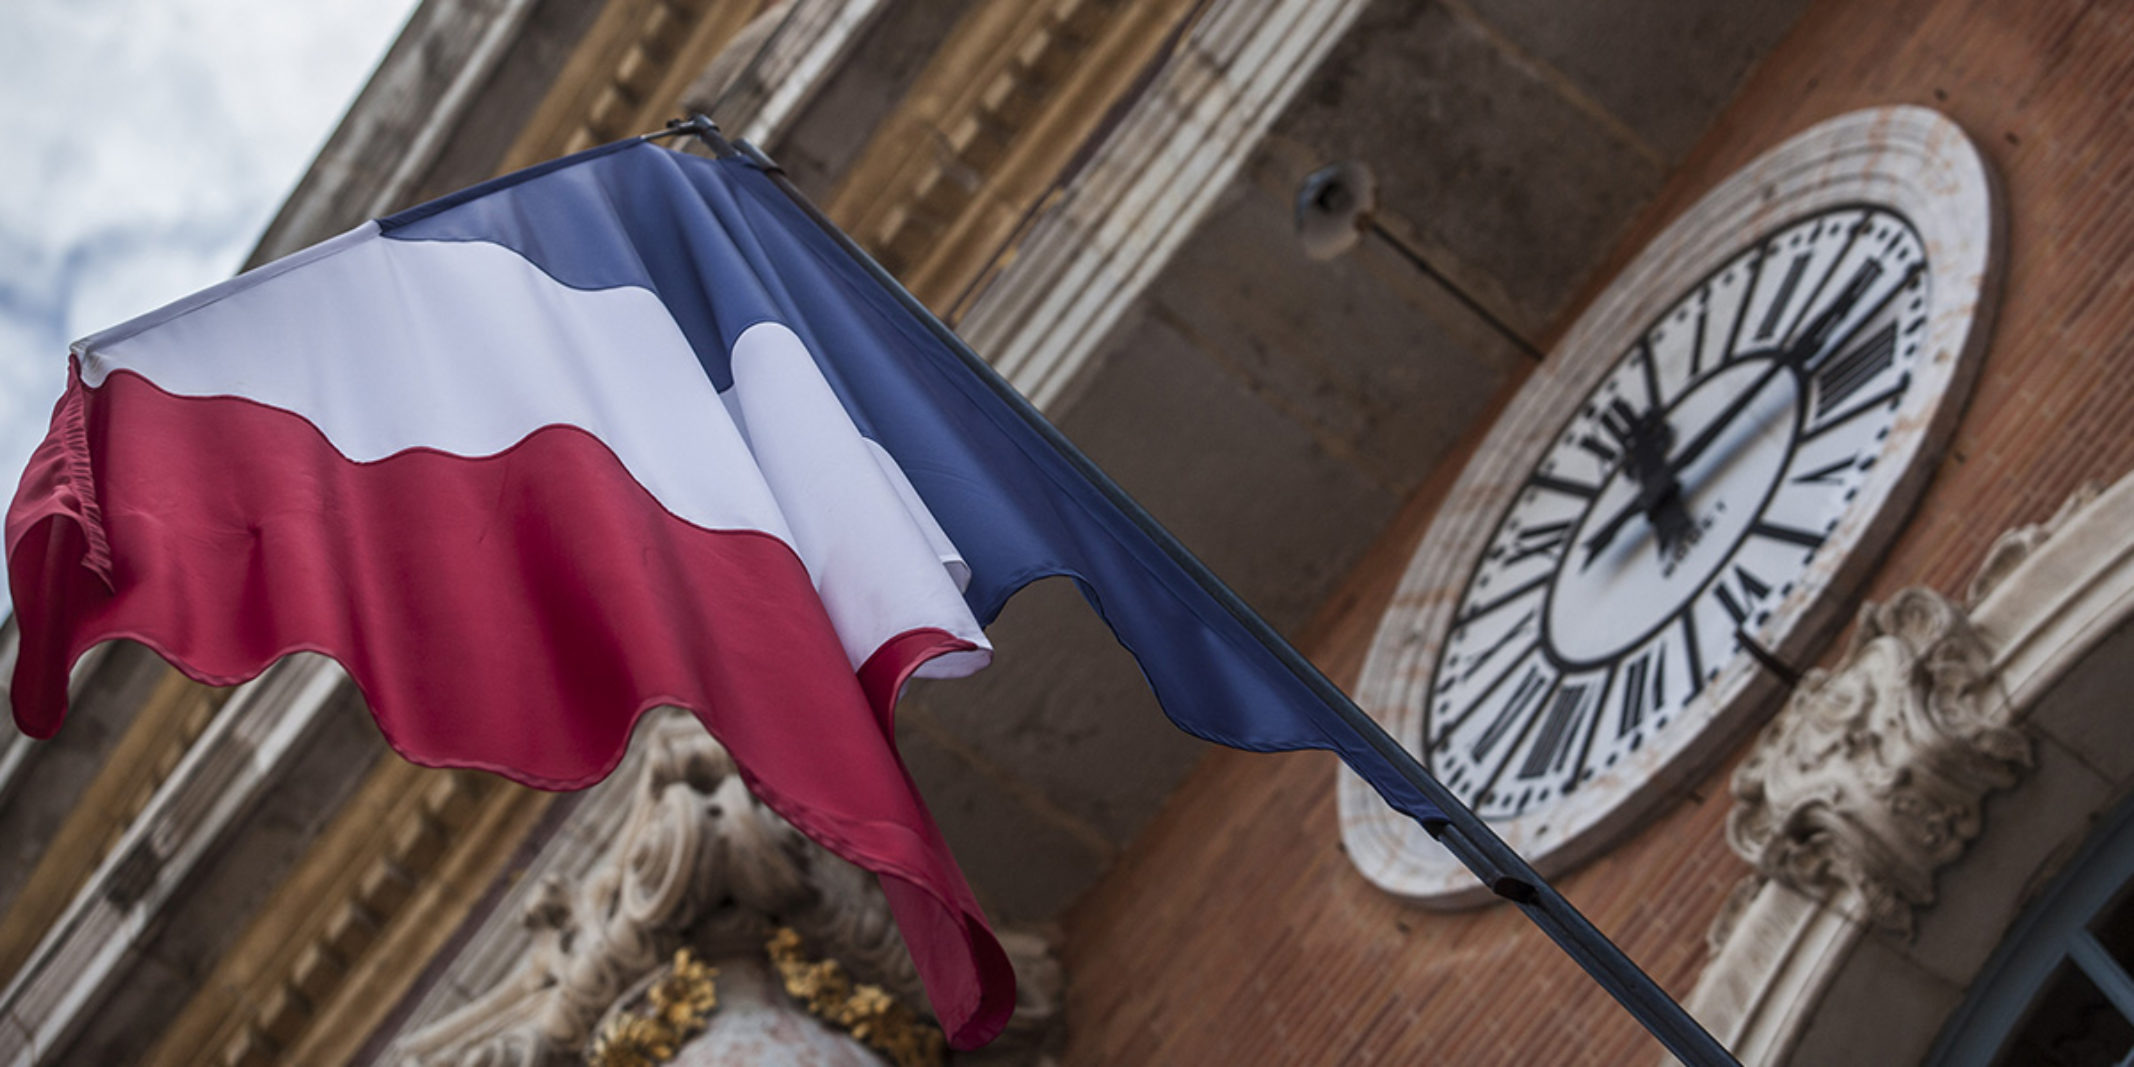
{"x": 87, "y": 950}
{"x": 405, "y": 115}
{"x": 1096, "y": 245}
{"x": 698, "y": 863}
{"x": 625, "y": 76}
{"x": 1872, "y": 777}
{"x": 340, "y": 941}
{"x": 1870, "y": 780}
{"x": 802, "y": 43}
{"x": 161, "y": 731}
{"x": 988, "y": 129}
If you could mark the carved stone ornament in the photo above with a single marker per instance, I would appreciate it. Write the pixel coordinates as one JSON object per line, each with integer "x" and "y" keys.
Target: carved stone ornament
{"x": 701, "y": 871}
{"x": 2012, "y": 547}
{"x": 1872, "y": 776}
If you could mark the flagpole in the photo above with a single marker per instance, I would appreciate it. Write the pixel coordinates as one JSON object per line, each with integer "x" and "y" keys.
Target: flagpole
{"x": 1461, "y": 831}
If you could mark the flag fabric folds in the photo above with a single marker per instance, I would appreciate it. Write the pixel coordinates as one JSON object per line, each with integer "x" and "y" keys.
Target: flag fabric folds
{"x": 619, "y": 431}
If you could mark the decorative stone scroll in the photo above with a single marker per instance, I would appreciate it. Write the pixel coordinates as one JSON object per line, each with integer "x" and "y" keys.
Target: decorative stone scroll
{"x": 1873, "y": 775}
{"x": 1861, "y": 794}
{"x": 698, "y": 865}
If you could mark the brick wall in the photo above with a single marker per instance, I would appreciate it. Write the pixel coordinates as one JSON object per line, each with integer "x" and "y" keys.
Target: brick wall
{"x": 1234, "y": 931}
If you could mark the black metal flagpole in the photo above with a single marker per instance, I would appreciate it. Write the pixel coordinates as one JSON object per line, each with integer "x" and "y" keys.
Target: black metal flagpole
{"x": 1462, "y": 832}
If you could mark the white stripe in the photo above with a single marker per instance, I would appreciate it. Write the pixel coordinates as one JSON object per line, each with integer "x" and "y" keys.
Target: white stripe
{"x": 880, "y": 561}
{"x": 465, "y": 347}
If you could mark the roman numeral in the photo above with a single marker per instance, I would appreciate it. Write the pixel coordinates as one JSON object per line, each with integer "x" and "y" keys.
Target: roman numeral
{"x": 1804, "y": 538}
{"x": 1852, "y": 234}
{"x": 1620, "y": 420}
{"x": 1599, "y": 448}
{"x": 1644, "y": 689}
{"x": 1485, "y": 609}
{"x": 1826, "y": 473}
{"x": 1768, "y": 328}
{"x": 1726, "y": 600}
{"x": 1696, "y": 348}
{"x": 1547, "y": 540}
{"x": 1741, "y": 310}
{"x": 1753, "y": 589}
{"x": 1750, "y": 584}
{"x": 1485, "y": 655}
{"x": 1554, "y": 745}
{"x": 1857, "y": 410}
{"x": 1568, "y": 488}
{"x": 1652, "y": 377}
{"x": 1843, "y": 376}
{"x": 1689, "y": 648}
{"x": 1482, "y": 698}
{"x": 1533, "y": 686}
{"x": 1819, "y": 332}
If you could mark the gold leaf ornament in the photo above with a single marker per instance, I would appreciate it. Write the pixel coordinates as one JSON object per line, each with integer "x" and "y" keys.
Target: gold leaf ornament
{"x": 680, "y": 1002}
{"x": 864, "y": 1010}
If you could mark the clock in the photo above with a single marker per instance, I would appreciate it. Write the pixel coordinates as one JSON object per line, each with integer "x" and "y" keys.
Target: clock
{"x": 1676, "y": 509}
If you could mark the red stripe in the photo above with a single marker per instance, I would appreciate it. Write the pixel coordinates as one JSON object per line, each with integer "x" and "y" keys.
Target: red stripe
{"x": 514, "y": 613}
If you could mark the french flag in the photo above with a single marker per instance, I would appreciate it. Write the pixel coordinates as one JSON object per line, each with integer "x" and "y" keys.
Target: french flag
{"x": 620, "y": 431}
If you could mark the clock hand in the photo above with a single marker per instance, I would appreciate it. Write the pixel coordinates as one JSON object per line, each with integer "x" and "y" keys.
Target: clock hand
{"x": 1798, "y": 355}
{"x": 1647, "y": 499}
{"x": 1645, "y": 439}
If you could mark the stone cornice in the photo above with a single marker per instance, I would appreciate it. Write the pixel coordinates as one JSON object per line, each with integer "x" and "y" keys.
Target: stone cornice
{"x": 628, "y": 73}
{"x": 402, "y": 119}
{"x": 159, "y": 736}
{"x": 340, "y": 940}
{"x": 1053, "y": 295}
{"x": 86, "y": 951}
{"x": 992, "y": 123}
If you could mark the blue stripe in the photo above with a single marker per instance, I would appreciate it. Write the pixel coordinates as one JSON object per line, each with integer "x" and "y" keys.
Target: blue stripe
{"x": 724, "y": 249}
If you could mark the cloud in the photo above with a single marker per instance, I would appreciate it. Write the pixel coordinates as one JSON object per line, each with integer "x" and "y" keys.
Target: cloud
{"x": 144, "y": 146}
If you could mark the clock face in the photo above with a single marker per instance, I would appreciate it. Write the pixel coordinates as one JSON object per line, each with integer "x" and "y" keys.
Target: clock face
{"x": 1682, "y": 501}
{"x": 1684, "y": 496}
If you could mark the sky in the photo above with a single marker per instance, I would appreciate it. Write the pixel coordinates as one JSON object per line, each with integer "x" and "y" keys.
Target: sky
{"x": 144, "y": 144}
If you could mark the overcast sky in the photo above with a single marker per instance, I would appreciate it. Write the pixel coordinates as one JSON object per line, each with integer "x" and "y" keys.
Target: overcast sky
{"x": 144, "y": 144}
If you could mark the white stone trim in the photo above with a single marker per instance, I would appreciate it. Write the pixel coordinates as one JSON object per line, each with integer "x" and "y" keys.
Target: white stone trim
{"x": 2048, "y": 596}
{"x": 1147, "y": 189}
{"x": 800, "y": 61}
{"x": 87, "y": 952}
{"x": 407, "y": 110}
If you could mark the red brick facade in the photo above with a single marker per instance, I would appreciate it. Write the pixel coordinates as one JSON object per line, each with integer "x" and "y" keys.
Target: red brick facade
{"x": 1235, "y": 931}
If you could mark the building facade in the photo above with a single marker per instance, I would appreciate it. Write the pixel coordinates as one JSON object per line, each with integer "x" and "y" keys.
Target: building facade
{"x": 1898, "y": 854}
